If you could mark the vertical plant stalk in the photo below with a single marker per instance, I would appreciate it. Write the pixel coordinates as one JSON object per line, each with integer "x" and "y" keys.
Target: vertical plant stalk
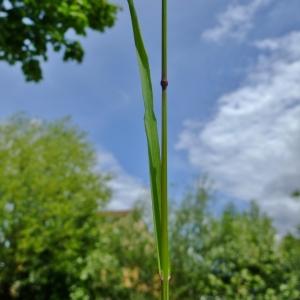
{"x": 164, "y": 159}
{"x": 157, "y": 157}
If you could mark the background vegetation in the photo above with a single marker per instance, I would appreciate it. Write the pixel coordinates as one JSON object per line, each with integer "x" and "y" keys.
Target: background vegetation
{"x": 56, "y": 242}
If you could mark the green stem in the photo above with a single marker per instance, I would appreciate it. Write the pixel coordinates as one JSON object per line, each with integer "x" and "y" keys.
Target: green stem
{"x": 164, "y": 163}
{"x": 164, "y": 48}
{"x": 164, "y": 193}
{"x": 164, "y": 289}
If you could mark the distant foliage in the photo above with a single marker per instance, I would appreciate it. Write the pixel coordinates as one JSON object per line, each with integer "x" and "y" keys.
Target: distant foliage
{"x": 130, "y": 272}
{"x": 29, "y": 27}
{"x": 49, "y": 196}
{"x": 234, "y": 256}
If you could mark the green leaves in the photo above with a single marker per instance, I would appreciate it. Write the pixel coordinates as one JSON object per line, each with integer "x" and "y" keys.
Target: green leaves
{"x": 150, "y": 127}
{"x": 28, "y": 27}
{"x": 50, "y": 194}
{"x": 233, "y": 256}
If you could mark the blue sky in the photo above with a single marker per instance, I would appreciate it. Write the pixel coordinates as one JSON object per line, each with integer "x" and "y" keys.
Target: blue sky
{"x": 234, "y": 99}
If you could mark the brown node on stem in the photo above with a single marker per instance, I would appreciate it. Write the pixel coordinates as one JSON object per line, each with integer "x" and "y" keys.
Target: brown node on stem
{"x": 164, "y": 83}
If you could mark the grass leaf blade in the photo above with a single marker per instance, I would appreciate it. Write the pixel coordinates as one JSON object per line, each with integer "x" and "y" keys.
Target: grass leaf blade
{"x": 150, "y": 127}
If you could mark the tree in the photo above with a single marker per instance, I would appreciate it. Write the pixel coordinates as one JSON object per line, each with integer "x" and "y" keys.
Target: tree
{"x": 290, "y": 249}
{"x": 49, "y": 196}
{"x": 29, "y": 27}
{"x": 128, "y": 269}
{"x": 234, "y": 256}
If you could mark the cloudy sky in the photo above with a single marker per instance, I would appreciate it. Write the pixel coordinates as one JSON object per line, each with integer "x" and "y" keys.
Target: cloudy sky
{"x": 234, "y": 99}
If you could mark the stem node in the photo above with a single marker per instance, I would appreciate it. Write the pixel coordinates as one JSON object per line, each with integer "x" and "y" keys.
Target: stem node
{"x": 164, "y": 84}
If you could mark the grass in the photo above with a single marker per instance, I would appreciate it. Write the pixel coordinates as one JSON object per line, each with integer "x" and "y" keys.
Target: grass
{"x": 158, "y": 157}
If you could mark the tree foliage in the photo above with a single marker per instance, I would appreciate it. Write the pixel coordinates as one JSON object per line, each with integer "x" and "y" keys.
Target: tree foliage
{"x": 130, "y": 250}
{"x": 49, "y": 196}
{"x": 234, "y": 256}
{"x": 29, "y": 27}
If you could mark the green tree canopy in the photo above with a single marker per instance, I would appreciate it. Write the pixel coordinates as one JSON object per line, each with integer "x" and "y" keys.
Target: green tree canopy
{"x": 128, "y": 271}
{"x": 234, "y": 256}
{"x": 49, "y": 197}
{"x": 29, "y": 27}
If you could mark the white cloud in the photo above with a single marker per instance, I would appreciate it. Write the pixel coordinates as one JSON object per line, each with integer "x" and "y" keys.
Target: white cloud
{"x": 235, "y": 21}
{"x": 126, "y": 189}
{"x": 252, "y": 145}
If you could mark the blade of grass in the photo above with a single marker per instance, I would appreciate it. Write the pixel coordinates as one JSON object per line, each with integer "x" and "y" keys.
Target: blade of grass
{"x": 150, "y": 127}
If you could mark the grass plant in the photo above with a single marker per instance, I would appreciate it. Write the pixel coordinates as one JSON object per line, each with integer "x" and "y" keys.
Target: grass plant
{"x": 158, "y": 156}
